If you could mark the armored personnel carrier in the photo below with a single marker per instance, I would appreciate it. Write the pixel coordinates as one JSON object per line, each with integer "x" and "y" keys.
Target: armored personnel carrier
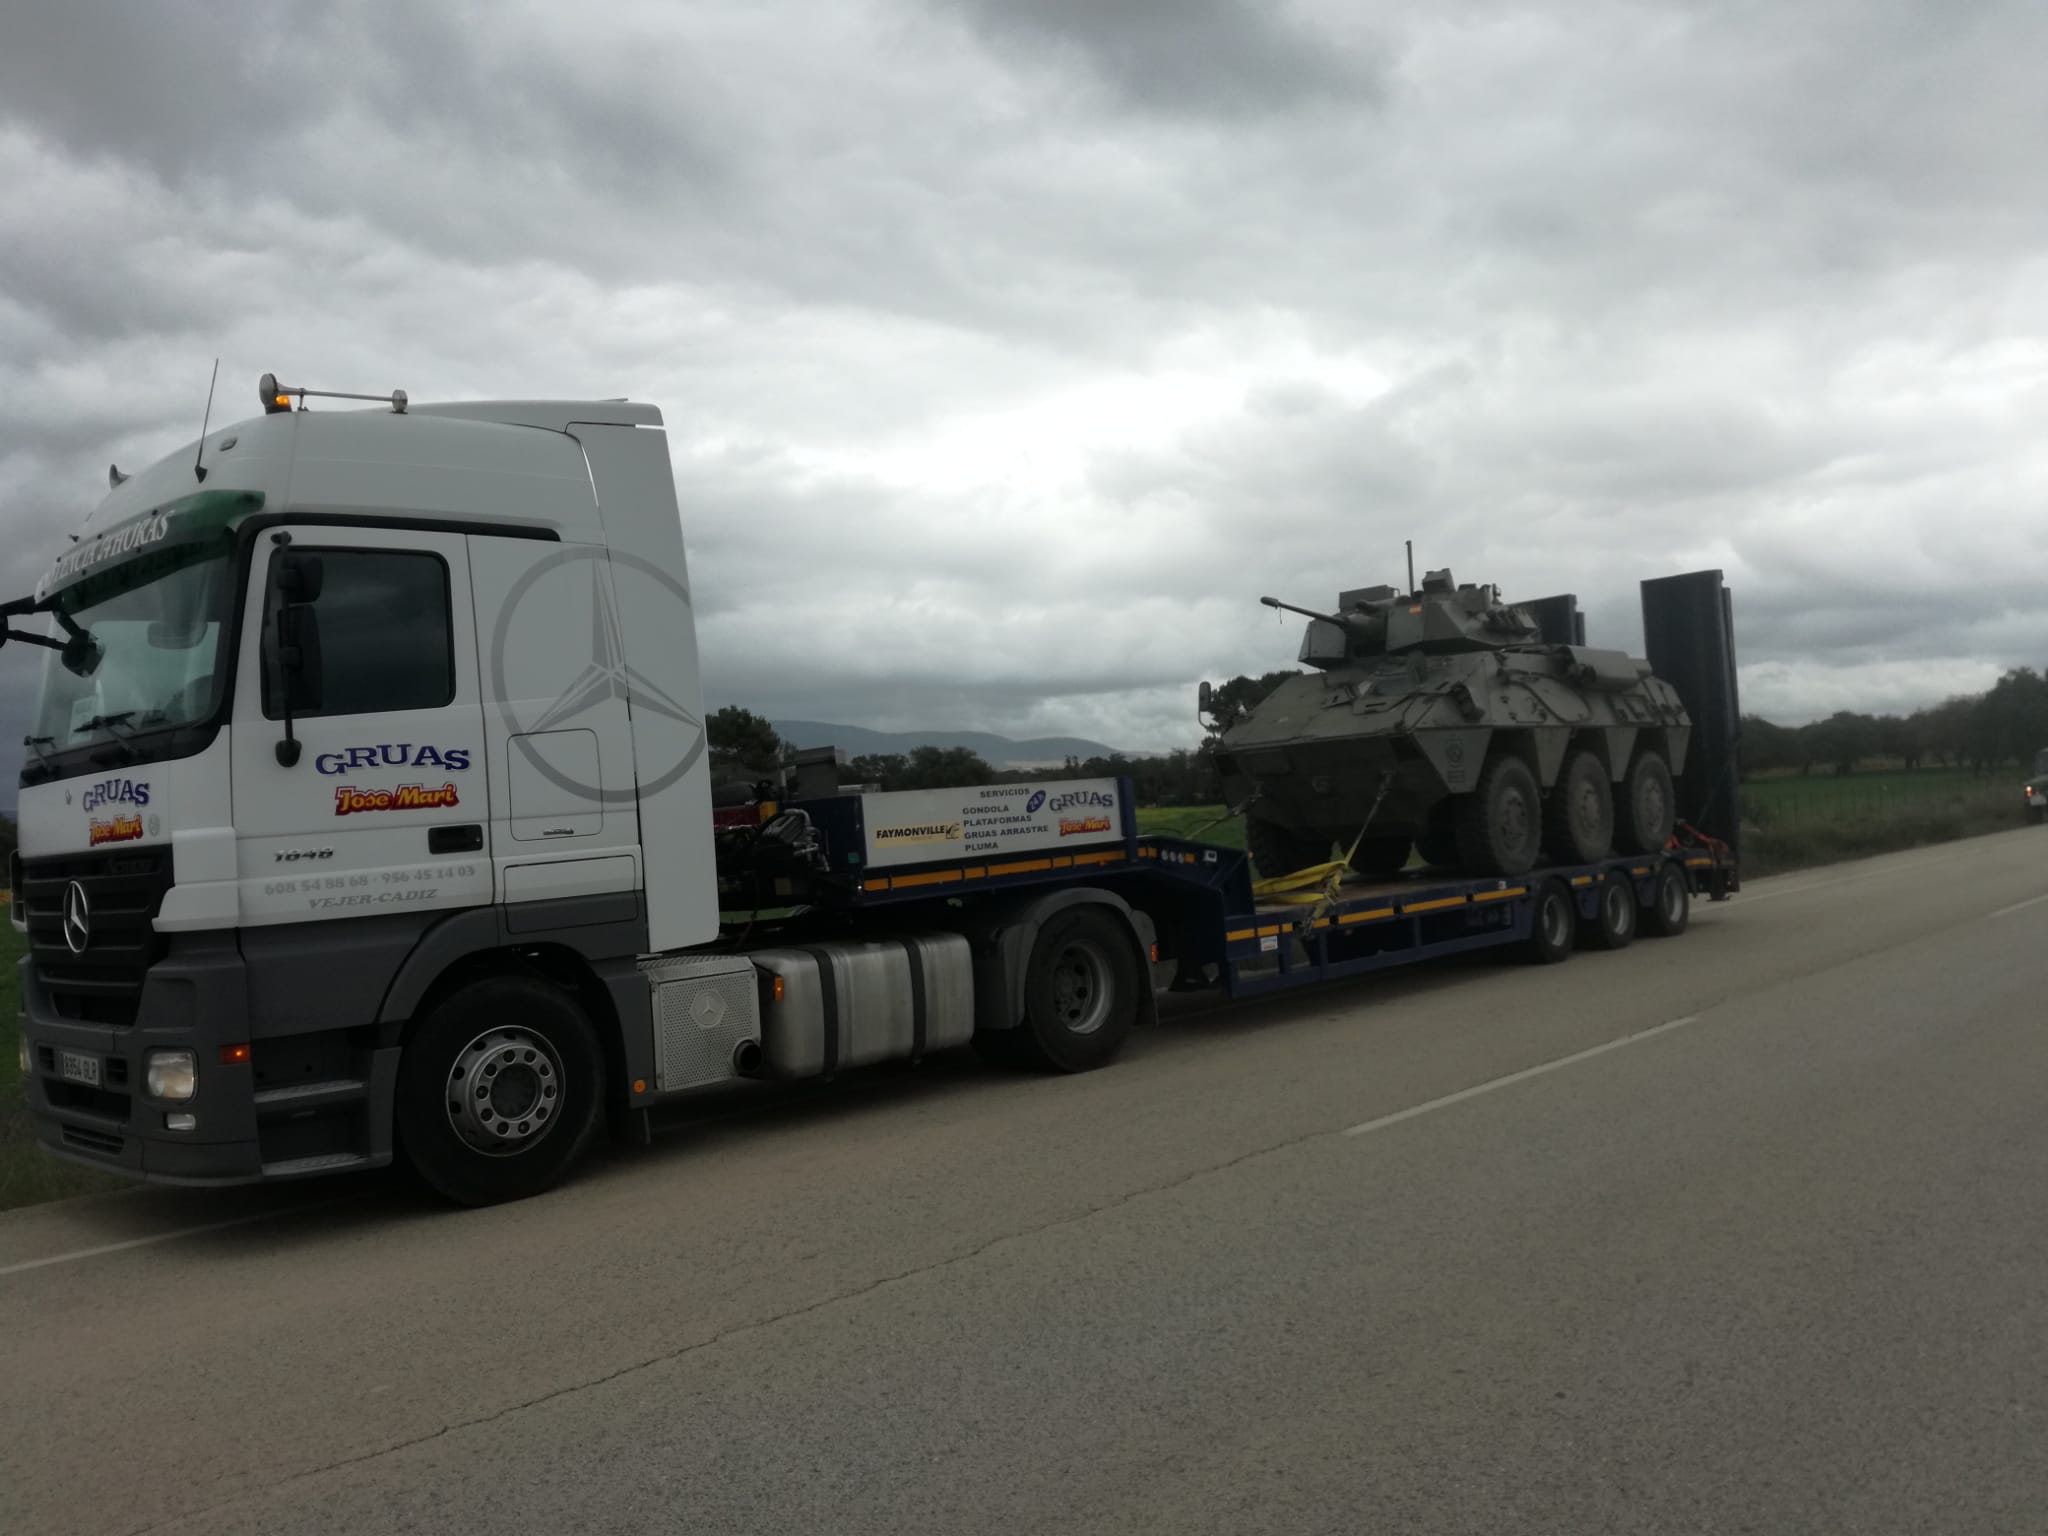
{"x": 1449, "y": 720}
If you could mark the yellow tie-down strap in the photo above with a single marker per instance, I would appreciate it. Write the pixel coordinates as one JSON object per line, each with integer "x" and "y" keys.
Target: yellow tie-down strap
{"x": 1303, "y": 888}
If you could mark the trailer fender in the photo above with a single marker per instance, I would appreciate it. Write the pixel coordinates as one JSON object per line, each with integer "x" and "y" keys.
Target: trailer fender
{"x": 1003, "y": 937}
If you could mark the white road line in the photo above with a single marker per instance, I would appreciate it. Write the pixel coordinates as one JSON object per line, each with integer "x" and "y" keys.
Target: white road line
{"x": 162, "y": 1237}
{"x": 1518, "y": 1077}
{"x": 2021, "y": 906}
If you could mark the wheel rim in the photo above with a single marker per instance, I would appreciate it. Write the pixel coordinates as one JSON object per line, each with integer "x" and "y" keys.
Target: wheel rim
{"x": 1652, "y": 802}
{"x": 1557, "y": 920}
{"x": 1588, "y": 803}
{"x": 1615, "y": 900}
{"x": 1674, "y": 899}
{"x": 1512, "y": 821}
{"x": 1080, "y": 987}
{"x": 504, "y": 1091}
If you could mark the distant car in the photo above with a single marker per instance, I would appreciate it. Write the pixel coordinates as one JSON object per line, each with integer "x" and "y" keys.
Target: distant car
{"x": 2037, "y": 789}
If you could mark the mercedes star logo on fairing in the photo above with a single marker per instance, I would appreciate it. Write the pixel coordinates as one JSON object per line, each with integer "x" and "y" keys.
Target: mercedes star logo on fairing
{"x": 605, "y": 677}
{"x": 77, "y": 918}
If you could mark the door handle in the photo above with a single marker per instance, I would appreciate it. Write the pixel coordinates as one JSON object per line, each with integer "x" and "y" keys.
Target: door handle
{"x": 464, "y": 839}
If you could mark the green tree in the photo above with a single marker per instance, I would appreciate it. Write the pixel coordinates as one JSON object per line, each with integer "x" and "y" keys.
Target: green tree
{"x": 945, "y": 768}
{"x": 742, "y": 744}
{"x": 1238, "y": 697}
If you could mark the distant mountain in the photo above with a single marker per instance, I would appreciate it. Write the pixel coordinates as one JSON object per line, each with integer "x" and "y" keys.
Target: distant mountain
{"x": 996, "y": 751}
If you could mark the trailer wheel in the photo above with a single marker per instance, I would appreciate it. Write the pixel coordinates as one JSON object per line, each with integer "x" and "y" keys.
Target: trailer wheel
{"x": 498, "y": 1090}
{"x": 1553, "y": 926}
{"x": 1080, "y": 993}
{"x": 1614, "y": 921}
{"x": 1670, "y": 908}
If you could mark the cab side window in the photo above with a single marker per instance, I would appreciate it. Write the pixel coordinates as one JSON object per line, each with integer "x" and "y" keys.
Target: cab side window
{"x": 386, "y": 638}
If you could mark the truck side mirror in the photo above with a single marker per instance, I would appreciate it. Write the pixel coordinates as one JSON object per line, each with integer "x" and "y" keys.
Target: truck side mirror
{"x": 81, "y": 655}
{"x": 1205, "y": 698}
{"x": 298, "y": 627}
{"x": 299, "y": 577}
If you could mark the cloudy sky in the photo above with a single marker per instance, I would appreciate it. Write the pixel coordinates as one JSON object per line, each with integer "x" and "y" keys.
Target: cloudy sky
{"x": 1011, "y": 350}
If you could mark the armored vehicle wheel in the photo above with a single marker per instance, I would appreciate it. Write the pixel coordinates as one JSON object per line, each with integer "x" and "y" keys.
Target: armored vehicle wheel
{"x": 1379, "y": 858}
{"x": 1614, "y": 919}
{"x": 1500, "y": 823}
{"x": 1645, "y": 812}
{"x": 1278, "y": 850}
{"x": 1670, "y": 906}
{"x": 1553, "y": 927}
{"x": 1578, "y": 814}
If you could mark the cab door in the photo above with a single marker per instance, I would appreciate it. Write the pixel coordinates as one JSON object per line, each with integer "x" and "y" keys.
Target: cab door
{"x": 383, "y": 808}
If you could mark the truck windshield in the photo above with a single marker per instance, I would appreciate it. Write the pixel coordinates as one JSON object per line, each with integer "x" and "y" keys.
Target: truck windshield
{"x": 158, "y": 641}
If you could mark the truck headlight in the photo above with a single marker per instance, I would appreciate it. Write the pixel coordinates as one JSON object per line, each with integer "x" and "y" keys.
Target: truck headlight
{"x": 173, "y": 1075}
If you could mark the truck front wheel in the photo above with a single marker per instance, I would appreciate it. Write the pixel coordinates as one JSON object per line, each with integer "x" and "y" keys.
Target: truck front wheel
{"x": 498, "y": 1090}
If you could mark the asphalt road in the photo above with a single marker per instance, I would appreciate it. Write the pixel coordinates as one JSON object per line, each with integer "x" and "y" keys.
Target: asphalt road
{"x": 1739, "y": 1232}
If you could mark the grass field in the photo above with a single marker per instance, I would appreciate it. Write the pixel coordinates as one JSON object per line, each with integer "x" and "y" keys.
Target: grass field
{"x": 27, "y": 1173}
{"x": 1794, "y": 821}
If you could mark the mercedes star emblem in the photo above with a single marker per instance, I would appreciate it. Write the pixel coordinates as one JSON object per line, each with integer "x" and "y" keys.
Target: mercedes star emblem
{"x": 77, "y": 918}
{"x": 605, "y": 677}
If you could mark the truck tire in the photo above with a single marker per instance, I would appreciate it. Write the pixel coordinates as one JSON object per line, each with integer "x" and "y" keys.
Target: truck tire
{"x": 1645, "y": 812}
{"x": 1278, "y": 850}
{"x": 1578, "y": 813}
{"x": 1614, "y": 914}
{"x": 1553, "y": 925}
{"x": 1080, "y": 993}
{"x": 1670, "y": 908}
{"x": 1500, "y": 824}
{"x": 498, "y": 1090}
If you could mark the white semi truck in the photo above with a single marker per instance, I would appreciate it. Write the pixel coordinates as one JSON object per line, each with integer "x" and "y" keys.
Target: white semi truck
{"x": 367, "y": 813}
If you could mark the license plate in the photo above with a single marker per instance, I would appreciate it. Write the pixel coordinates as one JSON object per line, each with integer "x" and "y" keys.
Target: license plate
{"x": 79, "y": 1068}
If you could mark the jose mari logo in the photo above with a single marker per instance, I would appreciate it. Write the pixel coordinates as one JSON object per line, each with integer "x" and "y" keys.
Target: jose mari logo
{"x": 1083, "y": 826}
{"x": 118, "y": 829}
{"x": 348, "y": 800}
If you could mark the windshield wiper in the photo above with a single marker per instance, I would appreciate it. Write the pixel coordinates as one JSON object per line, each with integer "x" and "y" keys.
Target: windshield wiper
{"x": 107, "y": 723}
{"x": 115, "y": 748}
{"x": 36, "y": 744}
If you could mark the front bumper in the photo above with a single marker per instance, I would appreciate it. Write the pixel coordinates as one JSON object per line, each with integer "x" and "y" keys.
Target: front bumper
{"x": 297, "y": 1107}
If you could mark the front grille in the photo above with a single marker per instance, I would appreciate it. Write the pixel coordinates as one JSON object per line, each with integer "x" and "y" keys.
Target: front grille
{"x": 105, "y": 1143}
{"x": 124, "y": 888}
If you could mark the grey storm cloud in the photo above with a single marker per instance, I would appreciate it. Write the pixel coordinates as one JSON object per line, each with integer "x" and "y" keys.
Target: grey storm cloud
{"x": 1010, "y": 351}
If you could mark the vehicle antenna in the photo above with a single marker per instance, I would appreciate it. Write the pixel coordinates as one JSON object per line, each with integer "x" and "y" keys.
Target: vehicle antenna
{"x": 198, "y": 466}
{"x": 1411, "y": 566}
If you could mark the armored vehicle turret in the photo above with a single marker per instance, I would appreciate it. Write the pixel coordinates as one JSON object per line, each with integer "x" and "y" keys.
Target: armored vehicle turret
{"x": 1481, "y": 732}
